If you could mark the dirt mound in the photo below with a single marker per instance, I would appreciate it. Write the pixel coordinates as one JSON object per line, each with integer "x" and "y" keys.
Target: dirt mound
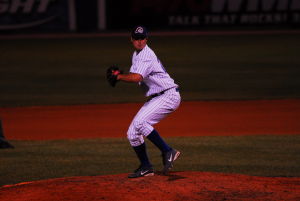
{"x": 177, "y": 186}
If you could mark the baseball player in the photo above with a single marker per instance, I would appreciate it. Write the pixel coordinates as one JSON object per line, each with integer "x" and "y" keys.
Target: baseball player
{"x": 163, "y": 98}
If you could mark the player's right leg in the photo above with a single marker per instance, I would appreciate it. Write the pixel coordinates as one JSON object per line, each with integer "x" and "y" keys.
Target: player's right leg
{"x": 139, "y": 146}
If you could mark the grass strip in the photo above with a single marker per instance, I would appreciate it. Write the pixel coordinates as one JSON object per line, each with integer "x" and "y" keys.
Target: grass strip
{"x": 264, "y": 155}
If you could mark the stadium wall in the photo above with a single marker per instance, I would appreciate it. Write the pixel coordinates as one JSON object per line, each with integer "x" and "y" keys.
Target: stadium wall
{"x": 27, "y": 16}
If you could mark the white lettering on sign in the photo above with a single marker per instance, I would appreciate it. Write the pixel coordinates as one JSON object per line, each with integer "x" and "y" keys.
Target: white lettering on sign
{"x": 229, "y": 12}
{"x": 254, "y": 5}
{"x": 23, "y": 6}
{"x": 217, "y": 19}
{"x": 183, "y": 20}
{"x": 17, "y": 13}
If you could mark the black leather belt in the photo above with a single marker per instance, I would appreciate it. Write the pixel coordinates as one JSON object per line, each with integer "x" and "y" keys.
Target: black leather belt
{"x": 162, "y": 92}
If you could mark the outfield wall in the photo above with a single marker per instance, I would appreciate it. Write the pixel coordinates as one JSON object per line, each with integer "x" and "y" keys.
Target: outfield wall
{"x": 99, "y": 15}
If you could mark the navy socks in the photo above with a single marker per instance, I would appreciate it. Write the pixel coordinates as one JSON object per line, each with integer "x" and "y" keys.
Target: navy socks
{"x": 141, "y": 152}
{"x": 155, "y": 138}
{"x": 142, "y": 155}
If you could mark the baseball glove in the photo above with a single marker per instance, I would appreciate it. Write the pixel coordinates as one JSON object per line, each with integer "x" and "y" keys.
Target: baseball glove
{"x": 112, "y": 74}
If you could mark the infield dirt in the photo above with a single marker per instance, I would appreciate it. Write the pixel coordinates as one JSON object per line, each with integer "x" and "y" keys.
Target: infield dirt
{"x": 275, "y": 117}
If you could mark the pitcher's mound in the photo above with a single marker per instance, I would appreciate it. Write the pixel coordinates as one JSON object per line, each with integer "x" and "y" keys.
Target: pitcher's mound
{"x": 177, "y": 186}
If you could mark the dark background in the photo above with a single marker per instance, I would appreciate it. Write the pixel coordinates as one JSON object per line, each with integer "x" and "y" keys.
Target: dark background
{"x": 155, "y": 14}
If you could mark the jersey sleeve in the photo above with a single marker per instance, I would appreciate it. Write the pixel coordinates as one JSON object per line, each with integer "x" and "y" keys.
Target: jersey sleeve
{"x": 141, "y": 67}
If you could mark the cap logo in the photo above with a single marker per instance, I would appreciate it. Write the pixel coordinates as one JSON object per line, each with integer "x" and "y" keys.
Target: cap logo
{"x": 139, "y": 30}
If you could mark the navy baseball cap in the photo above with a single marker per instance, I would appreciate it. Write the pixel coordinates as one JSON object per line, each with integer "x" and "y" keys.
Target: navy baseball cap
{"x": 139, "y": 32}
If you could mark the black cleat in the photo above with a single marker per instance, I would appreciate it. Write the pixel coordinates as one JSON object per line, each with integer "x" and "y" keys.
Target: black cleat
{"x": 142, "y": 172}
{"x": 5, "y": 144}
{"x": 168, "y": 159}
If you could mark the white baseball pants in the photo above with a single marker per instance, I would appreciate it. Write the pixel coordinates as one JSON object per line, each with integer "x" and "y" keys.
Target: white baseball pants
{"x": 151, "y": 113}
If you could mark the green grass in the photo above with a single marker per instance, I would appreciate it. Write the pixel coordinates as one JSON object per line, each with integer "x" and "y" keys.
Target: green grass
{"x": 72, "y": 71}
{"x": 251, "y": 155}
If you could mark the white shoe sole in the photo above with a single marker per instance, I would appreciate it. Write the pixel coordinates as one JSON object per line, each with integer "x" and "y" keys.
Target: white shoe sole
{"x": 149, "y": 175}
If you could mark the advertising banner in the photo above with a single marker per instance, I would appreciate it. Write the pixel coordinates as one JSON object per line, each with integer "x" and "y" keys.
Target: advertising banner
{"x": 37, "y": 15}
{"x": 239, "y": 12}
{"x": 98, "y": 15}
{"x": 204, "y": 13}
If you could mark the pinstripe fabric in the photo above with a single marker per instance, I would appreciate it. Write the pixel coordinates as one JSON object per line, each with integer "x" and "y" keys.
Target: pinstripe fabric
{"x": 155, "y": 77}
{"x": 155, "y": 80}
{"x": 151, "y": 113}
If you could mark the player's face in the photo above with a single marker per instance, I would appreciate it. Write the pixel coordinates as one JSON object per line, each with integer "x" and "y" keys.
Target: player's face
{"x": 139, "y": 44}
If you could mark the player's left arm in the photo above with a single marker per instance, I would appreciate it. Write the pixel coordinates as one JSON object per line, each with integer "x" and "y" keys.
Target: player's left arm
{"x": 131, "y": 77}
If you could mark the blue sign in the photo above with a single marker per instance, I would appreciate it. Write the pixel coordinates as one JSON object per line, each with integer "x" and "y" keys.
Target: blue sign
{"x": 41, "y": 15}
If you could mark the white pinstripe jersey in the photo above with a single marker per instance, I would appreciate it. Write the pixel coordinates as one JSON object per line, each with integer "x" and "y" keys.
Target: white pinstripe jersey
{"x": 155, "y": 77}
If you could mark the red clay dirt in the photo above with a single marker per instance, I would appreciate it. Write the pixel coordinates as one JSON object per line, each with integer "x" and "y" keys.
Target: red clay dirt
{"x": 178, "y": 186}
{"x": 276, "y": 117}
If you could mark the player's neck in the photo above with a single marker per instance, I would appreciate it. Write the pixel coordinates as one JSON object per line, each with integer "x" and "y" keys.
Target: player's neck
{"x": 139, "y": 50}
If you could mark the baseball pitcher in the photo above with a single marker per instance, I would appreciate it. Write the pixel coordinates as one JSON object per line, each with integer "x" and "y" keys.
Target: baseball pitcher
{"x": 163, "y": 98}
